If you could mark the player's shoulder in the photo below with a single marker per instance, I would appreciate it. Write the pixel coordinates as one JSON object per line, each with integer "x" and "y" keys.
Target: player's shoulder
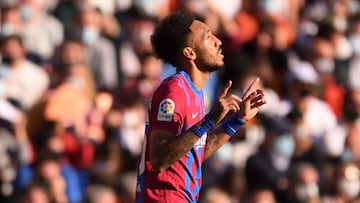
{"x": 169, "y": 88}
{"x": 172, "y": 83}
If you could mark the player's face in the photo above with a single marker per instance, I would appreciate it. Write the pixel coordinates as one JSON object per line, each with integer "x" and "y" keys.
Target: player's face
{"x": 206, "y": 46}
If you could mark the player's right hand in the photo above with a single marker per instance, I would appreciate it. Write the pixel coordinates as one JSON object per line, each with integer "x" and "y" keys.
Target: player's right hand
{"x": 224, "y": 104}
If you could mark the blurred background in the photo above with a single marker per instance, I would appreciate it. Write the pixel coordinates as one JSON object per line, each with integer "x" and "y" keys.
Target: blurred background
{"x": 76, "y": 77}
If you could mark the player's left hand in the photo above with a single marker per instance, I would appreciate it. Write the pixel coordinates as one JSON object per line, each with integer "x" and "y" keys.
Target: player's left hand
{"x": 252, "y": 100}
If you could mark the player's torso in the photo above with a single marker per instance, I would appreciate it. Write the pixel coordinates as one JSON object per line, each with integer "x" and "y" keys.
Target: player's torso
{"x": 184, "y": 176}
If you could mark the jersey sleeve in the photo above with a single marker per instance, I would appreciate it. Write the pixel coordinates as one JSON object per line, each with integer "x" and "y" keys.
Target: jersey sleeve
{"x": 168, "y": 108}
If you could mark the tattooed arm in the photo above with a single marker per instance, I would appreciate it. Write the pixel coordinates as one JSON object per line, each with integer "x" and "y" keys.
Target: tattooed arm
{"x": 214, "y": 141}
{"x": 167, "y": 148}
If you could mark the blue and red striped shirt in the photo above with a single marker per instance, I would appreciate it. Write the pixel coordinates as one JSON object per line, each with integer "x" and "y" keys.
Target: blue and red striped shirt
{"x": 176, "y": 106}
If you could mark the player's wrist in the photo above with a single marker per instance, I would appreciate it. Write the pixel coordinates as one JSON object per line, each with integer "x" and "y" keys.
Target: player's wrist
{"x": 202, "y": 127}
{"x": 242, "y": 115}
{"x": 232, "y": 125}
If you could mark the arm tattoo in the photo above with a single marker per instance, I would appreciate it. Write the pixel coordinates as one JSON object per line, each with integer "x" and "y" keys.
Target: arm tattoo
{"x": 212, "y": 144}
{"x": 179, "y": 150}
{"x": 214, "y": 141}
{"x": 171, "y": 150}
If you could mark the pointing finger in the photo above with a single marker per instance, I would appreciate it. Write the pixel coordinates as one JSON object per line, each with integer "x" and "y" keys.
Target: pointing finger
{"x": 251, "y": 87}
{"x": 226, "y": 89}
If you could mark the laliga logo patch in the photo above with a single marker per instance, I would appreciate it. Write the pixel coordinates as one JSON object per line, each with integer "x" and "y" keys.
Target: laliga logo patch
{"x": 166, "y": 110}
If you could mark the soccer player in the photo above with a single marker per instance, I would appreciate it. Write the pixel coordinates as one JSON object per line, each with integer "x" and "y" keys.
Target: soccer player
{"x": 179, "y": 136}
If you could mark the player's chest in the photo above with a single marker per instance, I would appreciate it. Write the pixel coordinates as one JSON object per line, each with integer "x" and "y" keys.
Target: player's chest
{"x": 194, "y": 112}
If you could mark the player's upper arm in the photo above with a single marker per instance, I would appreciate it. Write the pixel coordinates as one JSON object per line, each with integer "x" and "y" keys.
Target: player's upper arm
{"x": 166, "y": 120}
{"x": 158, "y": 140}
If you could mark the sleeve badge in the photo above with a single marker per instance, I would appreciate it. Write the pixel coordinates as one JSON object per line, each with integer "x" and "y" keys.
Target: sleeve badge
{"x": 166, "y": 110}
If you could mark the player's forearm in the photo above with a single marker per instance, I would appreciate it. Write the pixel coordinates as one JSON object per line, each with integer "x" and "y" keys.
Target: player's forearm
{"x": 221, "y": 134}
{"x": 170, "y": 150}
{"x": 215, "y": 139}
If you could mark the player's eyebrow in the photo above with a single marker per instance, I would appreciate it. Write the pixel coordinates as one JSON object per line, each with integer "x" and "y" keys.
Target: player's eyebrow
{"x": 207, "y": 31}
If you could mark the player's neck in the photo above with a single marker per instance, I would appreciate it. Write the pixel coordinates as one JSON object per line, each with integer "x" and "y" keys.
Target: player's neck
{"x": 199, "y": 78}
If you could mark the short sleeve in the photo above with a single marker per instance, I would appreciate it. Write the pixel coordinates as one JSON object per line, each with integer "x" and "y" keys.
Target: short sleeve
{"x": 167, "y": 108}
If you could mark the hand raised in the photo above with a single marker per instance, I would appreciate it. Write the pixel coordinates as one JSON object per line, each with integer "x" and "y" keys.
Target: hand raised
{"x": 251, "y": 102}
{"x": 224, "y": 104}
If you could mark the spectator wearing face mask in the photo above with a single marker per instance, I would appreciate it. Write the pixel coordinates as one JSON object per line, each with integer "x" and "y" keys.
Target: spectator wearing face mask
{"x": 346, "y": 185}
{"x": 100, "y": 52}
{"x": 109, "y": 26}
{"x": 150, "y": 76}
{"x": 305, "y": 184}
{"x": 132, "y": 126}
{"x": 71, "y": 52}
{"x": 136, "y": 43}
{"x": 305, "y": 150}
{"x": 352, "y": 146}
{"x": 330, "y": 59}
{"x": 326, "y": 133}
{"x": 11, "y": 22}
{"x": 43, "y": 32}
{"x": 271, "y": 165}
{"x": 20, "y": 79}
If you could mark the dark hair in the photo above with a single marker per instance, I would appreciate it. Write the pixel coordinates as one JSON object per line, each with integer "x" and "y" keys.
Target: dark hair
{"x": 7, "y": 8}
{"x": 15, "y": 37}
{"x": 170, "y": 35}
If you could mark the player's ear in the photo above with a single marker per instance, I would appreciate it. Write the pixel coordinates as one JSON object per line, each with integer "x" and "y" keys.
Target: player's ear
{"x": 189, "y": 53}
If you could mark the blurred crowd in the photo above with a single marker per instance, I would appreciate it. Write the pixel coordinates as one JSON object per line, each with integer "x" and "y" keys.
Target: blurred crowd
{"x": 76, "y": 77}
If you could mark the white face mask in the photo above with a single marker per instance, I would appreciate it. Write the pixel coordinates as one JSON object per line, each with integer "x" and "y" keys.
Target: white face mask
{"x": 349, "y": 187}
{"x": 7, "y": 29}
{"x": 26, "y": 12}
{"x": 89, "y": 35}
{"x": 306, "y": 191}
{"x": 5, "y": 71}
{"x": 284, "y": 145}
{"x": 76, "y": 82}
{"x": 271, "y": 6}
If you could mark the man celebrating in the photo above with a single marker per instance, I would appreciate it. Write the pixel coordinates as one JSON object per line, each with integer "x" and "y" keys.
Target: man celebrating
{"x": 179, "y": 137}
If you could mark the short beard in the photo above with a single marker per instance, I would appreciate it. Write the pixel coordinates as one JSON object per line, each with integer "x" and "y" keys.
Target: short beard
{"x": 212, "y": 68}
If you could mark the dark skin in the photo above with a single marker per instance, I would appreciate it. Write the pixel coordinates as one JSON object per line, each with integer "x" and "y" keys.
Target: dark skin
{"x": 199, "y": 58}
